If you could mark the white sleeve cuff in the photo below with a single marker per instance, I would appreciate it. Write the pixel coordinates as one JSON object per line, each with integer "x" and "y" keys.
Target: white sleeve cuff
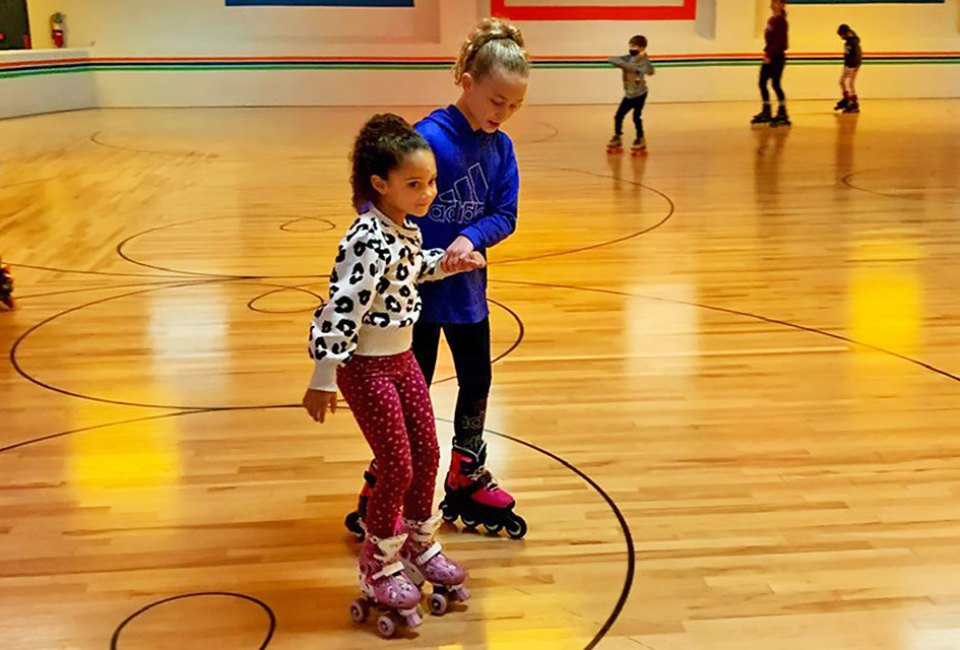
{"x": 324, "y": 377}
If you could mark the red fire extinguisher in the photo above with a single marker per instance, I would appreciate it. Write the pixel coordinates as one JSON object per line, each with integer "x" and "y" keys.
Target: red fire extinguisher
{"x": 56, "y": 29}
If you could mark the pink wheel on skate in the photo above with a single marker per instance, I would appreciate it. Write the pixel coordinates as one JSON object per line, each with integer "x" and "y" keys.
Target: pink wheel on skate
{"x": 359, "y": 611}
{"x": 386, "y": 626}
{"x": 438, "y": 604}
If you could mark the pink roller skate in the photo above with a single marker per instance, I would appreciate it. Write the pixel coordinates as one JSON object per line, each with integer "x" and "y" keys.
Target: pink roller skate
{"x": 384, "y": 585}
{"x": 474, "y": 497}
{"x": 354, "y": 520}
{"x": 6, "y": 287}
{"x": 424, "y": 561}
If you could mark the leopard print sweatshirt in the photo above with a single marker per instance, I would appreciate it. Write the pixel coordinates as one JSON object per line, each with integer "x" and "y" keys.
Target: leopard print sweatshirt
{"x": 374, "y": 300}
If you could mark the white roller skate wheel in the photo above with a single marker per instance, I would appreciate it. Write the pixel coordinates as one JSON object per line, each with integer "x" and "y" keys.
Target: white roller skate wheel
{"x": 516, "y": 527}
{"x": 449, "y": 515}
{"x": 386, "y": 626}
{"x": 359, "y": 610}
{"x": 438, "y": 604}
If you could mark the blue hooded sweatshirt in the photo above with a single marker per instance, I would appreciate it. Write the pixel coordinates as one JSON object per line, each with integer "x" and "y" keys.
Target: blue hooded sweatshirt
{"x": 477, "y": 188}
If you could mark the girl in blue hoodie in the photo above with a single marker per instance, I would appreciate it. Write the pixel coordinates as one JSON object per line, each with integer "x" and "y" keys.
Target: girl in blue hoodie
{"x": 476, "y": 208}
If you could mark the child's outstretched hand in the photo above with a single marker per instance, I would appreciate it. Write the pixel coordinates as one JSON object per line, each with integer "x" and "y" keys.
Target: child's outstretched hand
{"x": 460, "y": 257}
{"x": 456, "y": 253}
{"x": 317, "y": 401}
{"x": 472, "y": 262}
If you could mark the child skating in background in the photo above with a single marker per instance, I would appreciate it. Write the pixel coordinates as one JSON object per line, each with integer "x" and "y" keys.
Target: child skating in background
{"x": 852, "y": 60}
{"x": 476, "y": 208}
{"x": 361, "y": 342}
{"x": 776, "y": 42}
{"x": 6, "y": 287}
{"x": 636, "y": 67}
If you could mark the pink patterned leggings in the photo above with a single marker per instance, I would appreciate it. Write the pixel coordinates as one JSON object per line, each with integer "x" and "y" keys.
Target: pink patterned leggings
{"x": 391, "y": 403}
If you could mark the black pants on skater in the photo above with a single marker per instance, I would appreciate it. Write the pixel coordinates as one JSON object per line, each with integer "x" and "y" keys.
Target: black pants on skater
{"x": 628, "y": 104}
{"x": 772, "y": 72}
{"x": 470, "y": 347}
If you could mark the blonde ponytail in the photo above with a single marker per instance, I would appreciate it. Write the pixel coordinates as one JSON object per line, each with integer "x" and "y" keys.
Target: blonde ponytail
{"x": 494, "y": 43}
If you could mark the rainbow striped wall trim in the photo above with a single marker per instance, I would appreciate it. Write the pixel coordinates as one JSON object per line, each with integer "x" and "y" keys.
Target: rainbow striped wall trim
{"x": 199, "y": 64}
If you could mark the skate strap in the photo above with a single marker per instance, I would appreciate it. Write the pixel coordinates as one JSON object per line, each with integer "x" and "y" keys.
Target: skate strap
{"x": 429, "y": 527}
{"x": 389, "y": 570}
{"x": 424, "y": 531}
{"x": 429, "y": 554}
{"x": 389, "y": 548}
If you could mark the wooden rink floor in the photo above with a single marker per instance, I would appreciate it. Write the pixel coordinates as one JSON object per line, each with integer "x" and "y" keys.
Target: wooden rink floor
{"x": 726, "y": 398}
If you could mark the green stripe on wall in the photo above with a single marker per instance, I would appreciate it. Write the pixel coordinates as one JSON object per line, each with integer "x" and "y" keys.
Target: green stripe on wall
{"x": 568, "y": 65}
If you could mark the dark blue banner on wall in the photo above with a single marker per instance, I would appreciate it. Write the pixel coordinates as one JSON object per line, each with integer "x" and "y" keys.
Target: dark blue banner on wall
{"x": 319, "y": 3}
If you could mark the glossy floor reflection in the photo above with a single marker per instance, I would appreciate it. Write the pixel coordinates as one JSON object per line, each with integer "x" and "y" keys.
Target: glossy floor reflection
{"x": 738, "y": 354}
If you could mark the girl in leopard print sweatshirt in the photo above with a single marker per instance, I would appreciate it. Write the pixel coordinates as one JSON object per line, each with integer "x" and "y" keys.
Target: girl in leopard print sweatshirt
{"x": 360, "y": 341}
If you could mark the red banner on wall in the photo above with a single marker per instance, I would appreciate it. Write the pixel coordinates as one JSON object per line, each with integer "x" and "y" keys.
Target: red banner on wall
{"x": 597, "y": 10}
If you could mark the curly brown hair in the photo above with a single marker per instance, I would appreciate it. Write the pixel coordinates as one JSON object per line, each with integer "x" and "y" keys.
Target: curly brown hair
{"x": 380, "y": 147}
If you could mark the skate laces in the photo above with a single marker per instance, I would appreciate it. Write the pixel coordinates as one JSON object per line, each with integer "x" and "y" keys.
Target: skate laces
{"x": 479, "y": 474}
{"x": 484, "y": 477}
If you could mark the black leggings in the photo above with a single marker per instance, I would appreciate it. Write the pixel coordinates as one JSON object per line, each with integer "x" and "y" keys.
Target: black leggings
{"x": 470, "y": 346}
{"x": 772, "y": 72}
{"x": 636, "y": 105}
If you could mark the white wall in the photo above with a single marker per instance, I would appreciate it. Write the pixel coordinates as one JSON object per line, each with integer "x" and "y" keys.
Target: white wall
{"x": 209, "y": 27}
{"x": 739, "y": 29}
{"x": 435, "y": 28}
{"x": 27, "y": 95}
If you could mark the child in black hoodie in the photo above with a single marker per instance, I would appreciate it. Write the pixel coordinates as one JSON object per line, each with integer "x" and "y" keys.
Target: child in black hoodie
{"x": 852, "y": 59}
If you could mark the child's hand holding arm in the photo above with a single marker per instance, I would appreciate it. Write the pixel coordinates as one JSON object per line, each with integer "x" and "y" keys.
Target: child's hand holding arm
{"x": 439, "y": 263}
{"x": 471, "y": 262}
